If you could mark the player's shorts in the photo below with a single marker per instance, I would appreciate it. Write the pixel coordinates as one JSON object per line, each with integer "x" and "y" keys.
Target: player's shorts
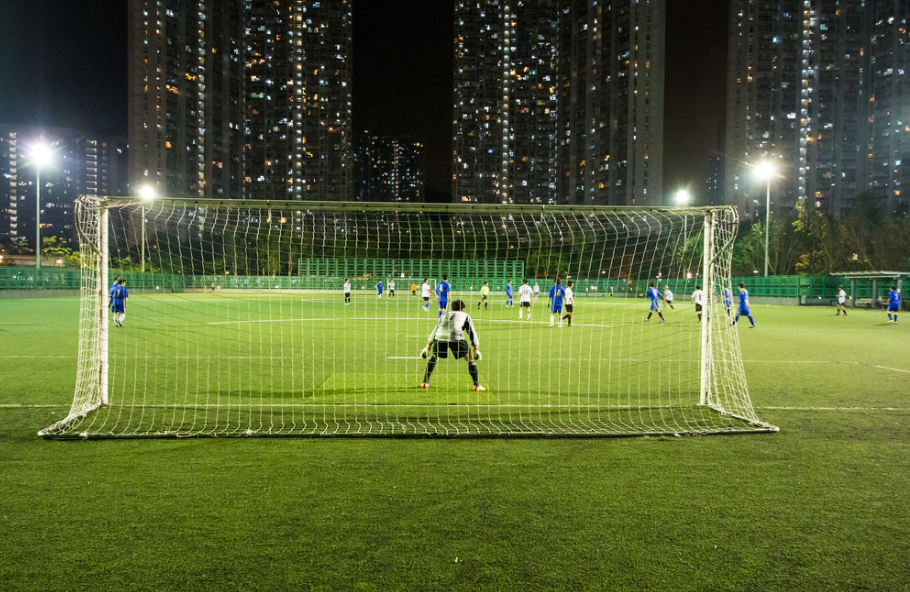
{"x": 669, "y": 302}
{"x": 728, "y": 303}
{"x": 570, "y": 308}
{"x": 744, "y": 311}
{"x": 524, "y": 304}
{"x": 347, "y": 294}
{"x": 392, "y": 291}
{"x": 555, "y": 308}
{"x": 894, "y": 307}
{"x": 118, "y": 308}
{"x": 654, "y": 306}
{"x": 426, "y": 298}
{"x": 839, "y": 301}
{"x": 380, "y": 291}
{"x": 443, "y": 303}
{"x": 482, "y": 297}
{"x": 697, "y": 307}
{"x": 459, "y": 349}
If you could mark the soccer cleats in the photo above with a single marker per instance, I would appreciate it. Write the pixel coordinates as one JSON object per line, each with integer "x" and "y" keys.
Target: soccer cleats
{"x": 425, "y": 385}
{"x": 477, "y": 387}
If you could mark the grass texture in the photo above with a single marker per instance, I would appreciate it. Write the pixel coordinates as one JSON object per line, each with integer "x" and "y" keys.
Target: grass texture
{"x": 822, "y": 505}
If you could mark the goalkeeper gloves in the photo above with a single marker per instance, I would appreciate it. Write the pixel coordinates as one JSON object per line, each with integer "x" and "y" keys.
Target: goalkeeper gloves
{"x": 477, "y": 355}
{"x": 425, "y": 352}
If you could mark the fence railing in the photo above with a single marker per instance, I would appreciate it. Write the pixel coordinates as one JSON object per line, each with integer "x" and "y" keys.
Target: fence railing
{"x": 825, "y": 287}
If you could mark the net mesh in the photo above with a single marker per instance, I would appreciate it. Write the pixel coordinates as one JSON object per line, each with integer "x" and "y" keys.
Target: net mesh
{"x": 239, "y": 323}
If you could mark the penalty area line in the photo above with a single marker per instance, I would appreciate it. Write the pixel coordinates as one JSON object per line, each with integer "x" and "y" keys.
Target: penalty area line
{"x": 778, "y": 408}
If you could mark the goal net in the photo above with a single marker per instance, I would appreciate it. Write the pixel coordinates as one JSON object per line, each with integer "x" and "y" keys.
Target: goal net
{"x": 238, "y": 321}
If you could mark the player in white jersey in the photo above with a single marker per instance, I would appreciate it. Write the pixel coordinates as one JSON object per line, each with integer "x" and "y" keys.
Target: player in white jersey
{"x": 841, "y": 301}
{"x": 426, "y": 292}
{"x": 524, "y": 299}
{"x": 570, "y": 302}
{"x": 668, "y": 297}
{"x": 391, "y": 288}
{"x": 347, "y": 291}
{"x": 698, "y": 297}
{"x": 454, "y": 332}
{"x": 536, "y": 291}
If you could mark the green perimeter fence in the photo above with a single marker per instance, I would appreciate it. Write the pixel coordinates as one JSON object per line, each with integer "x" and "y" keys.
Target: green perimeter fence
{"x": 28, "y": 278}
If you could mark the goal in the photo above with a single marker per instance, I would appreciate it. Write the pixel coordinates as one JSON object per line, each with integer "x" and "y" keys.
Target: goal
{"x": 236, "y": 322}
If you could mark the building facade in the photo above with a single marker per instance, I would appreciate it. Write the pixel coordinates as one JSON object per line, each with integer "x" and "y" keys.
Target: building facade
{"x": 558, "y": 101}
{"x": 236, "y": 98}
{"x": 185, "y": 97}
{"x": 389, "y": 168}
{"x": 817, "y": 87}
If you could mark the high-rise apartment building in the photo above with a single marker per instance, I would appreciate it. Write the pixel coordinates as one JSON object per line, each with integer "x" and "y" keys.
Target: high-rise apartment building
{"x": 389, "y": 168}
{"x": 887, "y": 141}
{"x": 816, "y": 86}
{"x": 558, "y": 101}
{"x": 714, "y": 181}
{"x": 611, "y": 102}
{"x": 80, "y": 164}
{"x": 238, "y": 98}
{"x": 505, "y": 101}
{"x": 186, "y": 101}
{"x": 299, "y": 95}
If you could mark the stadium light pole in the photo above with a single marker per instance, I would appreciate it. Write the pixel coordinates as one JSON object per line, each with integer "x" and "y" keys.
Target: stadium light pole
{"x": 41, "y": 156}
{"x": 683, "y": 197}
{"x": 765, "y": 170}
{"x": 146, "y": 194}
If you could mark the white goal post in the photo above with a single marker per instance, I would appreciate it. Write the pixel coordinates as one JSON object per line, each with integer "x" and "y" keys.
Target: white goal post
{"x": 236, "y": 323}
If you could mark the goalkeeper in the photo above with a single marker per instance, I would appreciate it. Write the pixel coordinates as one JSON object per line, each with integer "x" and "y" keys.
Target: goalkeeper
{"x": 451, "y": 334}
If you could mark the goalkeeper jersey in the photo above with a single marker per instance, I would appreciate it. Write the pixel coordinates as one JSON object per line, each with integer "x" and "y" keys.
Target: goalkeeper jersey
{"x": 454, "y": 326}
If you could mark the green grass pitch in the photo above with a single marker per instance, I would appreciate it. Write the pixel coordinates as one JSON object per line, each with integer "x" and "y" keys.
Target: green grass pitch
{"x": 822, "y": 505}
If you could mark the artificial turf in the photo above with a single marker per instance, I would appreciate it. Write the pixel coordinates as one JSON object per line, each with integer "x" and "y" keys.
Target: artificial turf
{"x": 821, "y": 505}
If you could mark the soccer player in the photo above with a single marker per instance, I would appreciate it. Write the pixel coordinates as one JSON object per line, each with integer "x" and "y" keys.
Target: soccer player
{"x": 114, "y": 286}
{"x": 841, "y": 301}
{"x": 668, "y": 297}
{"x": 728, "y": 301}
{"x": 442, "y": 294}
{"x": 425, "y": 292}
{"x": 391, "y": 288}
{"x": 536, "y": 292}
{"x": 524, "y": 299}
{"x": 212, "y": 287}
{"x": 347, "y": 291}
{"x": 698, "y": 297}
{"x": 484, "y": 295}
{"x": 413, "y": 289}
{"x": 379, "y": 287}
{"x": 570, "y": 302}
{"x": 894, "y": 304}
{"x": 744, "y": 306}
{"x": 509, "y": 294}
{"x": 654, "y": 295}
{"x": 557, "y": 294}
{"x": 449, "y": 335}
{"x": 119, "y": 296}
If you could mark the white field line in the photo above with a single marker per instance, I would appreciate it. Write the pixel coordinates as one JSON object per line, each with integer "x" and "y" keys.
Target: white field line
{"x": 576, "y": 359}
{"x": 235, "y": 407}
{"x": 394, "y": 318}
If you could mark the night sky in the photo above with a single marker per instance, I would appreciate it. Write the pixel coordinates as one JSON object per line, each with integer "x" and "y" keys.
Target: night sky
{"x": 63, "y": 63}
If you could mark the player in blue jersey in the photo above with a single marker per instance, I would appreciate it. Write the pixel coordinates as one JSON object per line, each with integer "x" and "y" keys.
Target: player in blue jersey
{"x": 894, "y": 304}
{"x": 654, "y": 295}
{"x": 556, "y": 296}
{"x": 744, "y": 306}
{"x": 119, "y": 296}
{"x": 379, "y": 287}
{"x": 442, "y": 294}
{"x": 509, "y": 294}
{"x": 728, "y": 300}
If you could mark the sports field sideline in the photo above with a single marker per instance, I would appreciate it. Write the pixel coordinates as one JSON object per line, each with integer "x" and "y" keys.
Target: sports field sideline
{"x": 824, "y": 504}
